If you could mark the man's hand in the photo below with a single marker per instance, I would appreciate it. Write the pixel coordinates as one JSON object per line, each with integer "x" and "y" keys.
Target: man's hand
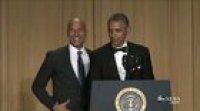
{"x": 61, "y": 107}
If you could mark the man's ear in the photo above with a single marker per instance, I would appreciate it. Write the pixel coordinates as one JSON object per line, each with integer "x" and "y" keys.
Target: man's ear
{"x": 128, "y": 31}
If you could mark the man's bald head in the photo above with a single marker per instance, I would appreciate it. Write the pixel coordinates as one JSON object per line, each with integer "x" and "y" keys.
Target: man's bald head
{"x": 76, "y": 32}
{"x": 75, "y": 22}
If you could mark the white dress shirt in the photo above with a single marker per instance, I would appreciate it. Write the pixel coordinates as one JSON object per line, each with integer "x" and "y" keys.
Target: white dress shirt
{"x": 74, "y": 57}
{"x": 119, "y": 62}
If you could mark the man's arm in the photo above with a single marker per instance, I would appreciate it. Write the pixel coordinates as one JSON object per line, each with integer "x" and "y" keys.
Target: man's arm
{"x": 95, "y": 68}
{"x": 41, "y": 80}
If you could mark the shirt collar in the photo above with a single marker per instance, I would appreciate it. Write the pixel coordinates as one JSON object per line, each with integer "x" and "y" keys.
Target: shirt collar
{"x": 123, "y": 45}
{"x": 75, "y": 50}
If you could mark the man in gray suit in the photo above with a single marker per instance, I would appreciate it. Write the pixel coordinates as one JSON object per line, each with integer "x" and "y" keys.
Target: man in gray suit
{"x": 68, "y": 68}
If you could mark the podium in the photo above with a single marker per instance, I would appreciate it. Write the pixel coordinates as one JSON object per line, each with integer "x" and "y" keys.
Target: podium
{"x": 130, "y": 96}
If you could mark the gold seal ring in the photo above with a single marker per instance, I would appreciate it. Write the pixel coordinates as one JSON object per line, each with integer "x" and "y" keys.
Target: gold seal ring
{"x": 130, "y": 99}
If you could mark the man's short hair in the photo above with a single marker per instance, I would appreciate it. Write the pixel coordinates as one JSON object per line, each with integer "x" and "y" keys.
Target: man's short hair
{"x": 119, "y": 17}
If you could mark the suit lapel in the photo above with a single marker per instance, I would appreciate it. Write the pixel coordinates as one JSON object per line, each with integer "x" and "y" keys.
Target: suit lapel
{"x": 112, "y": 63}
{"x": 69, "y": 65}
{"x": 89, "y": 54}
{"x": 69, "y": 68}
{"x": 131, "y": 49}
{"x": 135, "y": 59}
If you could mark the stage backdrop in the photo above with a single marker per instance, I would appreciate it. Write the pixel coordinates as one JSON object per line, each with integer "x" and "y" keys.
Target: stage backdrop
{"x": 29, "y": 28}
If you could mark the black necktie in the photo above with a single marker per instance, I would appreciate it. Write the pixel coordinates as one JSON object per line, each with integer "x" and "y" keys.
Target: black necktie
{"x": 81, "y": 70}
{"x": 123, "y": 49}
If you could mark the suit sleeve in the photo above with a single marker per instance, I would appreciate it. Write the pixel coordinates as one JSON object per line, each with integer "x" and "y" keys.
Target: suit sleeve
{"x": 147, "y": 66}
{"x": 41, "y": 80}
{"x": 95, "y": 68}
{"x": 94, "y": 74}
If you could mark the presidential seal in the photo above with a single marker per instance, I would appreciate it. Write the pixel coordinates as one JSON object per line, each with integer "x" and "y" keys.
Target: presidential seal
{"x": 130, "y": 99}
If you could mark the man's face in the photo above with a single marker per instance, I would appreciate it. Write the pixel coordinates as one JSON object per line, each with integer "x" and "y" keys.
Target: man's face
{"x": 117, "y": 32}
{"x": 77, "y": 33}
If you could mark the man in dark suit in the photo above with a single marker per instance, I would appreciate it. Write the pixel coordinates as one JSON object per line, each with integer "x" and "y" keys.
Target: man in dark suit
{"x": 121, "y": 59}
{"x": 67, "y": 67}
